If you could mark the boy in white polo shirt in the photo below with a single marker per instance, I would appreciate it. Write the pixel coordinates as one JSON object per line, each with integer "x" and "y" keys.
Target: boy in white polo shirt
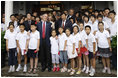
{"x": 22, "y": 39}
{"x": 33, "y": 47}
{"x": 10, "y": 37}
{"x": 92, "y": 47}
{"x": 63, "y": 49}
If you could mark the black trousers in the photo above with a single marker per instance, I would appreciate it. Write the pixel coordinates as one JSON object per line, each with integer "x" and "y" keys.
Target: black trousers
{"x": 45, "y": 55}
{"x": 12, "y": 57}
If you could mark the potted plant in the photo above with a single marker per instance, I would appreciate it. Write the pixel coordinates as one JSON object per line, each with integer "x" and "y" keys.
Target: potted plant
{"x": 114, "y": 51}
{"x": 3, "y": 49}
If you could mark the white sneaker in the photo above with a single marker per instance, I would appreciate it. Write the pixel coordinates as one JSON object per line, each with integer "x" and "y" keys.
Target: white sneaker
{"x": 25, "y": 69}
{"x": 69, "y": 70}
{"x": 108, "y": 71}
{"x": 87, "y": 70}
{"x": 104, "y": 70}
{"x": 19, "y": 68}
{"x": 92, "y": 72}
{"x": 65, "y": 69}
{"x": 13, "y": 68}
{"x": 10, "y": 69}
{"x": 84, "y": 69}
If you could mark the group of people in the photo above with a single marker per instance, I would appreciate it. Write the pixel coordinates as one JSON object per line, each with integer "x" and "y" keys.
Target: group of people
{"x": 60, "y": 38}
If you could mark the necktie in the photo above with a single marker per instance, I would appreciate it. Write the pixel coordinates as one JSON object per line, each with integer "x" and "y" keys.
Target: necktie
{"x": 43, "y": 33}
{"x": 63, "y": 24}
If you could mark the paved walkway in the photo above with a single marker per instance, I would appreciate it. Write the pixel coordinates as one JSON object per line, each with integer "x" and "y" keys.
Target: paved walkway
{"x": 4, "y": 73}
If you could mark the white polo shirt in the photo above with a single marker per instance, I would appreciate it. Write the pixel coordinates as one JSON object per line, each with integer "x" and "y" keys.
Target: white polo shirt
{"x": 87, "y": 23}
{"x": 70, "y": 40}
{"x": 83, "y": 36}
{"x": 113, "y": 28}
{"x": 22, "y": 38}
{"x": 11, "y": 37}
{"x": 102, "y": 39}
{"x": 91, "y": 39}
{"x": 54, "y": 45}
{"x": 62, "y": 38}
{"x": 34, "y": 39}
{"x": 77, "y": 39}
{"x": 94, "y": 26}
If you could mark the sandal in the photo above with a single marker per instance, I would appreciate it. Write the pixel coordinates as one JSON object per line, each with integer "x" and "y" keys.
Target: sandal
{"x": 34, "y": 70}
{"x": 30, "y": 70}
{"x": 72, "y": 73}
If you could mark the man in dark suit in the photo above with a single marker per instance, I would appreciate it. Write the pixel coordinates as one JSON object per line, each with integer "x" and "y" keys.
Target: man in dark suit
{"x": 63, "y": 22}
{"x": 28, "y": 22}
{"x": 71, "y": 15}
{"x": 44, "y": 28}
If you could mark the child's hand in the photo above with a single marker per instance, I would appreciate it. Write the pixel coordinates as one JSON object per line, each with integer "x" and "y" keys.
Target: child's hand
{"x": 78, "y": 51}
{"x": 37, "y": 49}
{"x": 73, "y": 52}
{"x": 7, "y": 49}
{"x": 94, "y": 52}
{"x": 26, "y": 49}
{"x": 110, "y": 49}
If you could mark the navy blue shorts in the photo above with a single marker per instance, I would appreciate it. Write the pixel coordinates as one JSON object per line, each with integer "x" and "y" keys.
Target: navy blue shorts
{"x": 91, "y": 55}
{"x": 32, "y": 54}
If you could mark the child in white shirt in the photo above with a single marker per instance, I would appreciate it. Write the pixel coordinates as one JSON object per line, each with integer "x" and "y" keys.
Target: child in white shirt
{"x": 92, "y": 47}
{"x": 22, "y": 39}
{"x": 71, "y": 51}
{"x": 10, "y": 37}
{"x": 103, "y": 40}
{"x": 33, "y": 47}
{"x": 94, "y": 24}
{"x": 54, "y": 51}
{"x": 84, "y": 47}
{"x": 77, "y": 38}
{"x": 63, "y": 49}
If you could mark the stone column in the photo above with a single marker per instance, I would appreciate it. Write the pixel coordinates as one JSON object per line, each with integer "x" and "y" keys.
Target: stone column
{"x": 8, "y": 12}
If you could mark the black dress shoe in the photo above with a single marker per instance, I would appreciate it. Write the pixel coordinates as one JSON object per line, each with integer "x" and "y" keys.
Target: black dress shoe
{"x": 49, "y": 69}
{"x": 43, "y": 69}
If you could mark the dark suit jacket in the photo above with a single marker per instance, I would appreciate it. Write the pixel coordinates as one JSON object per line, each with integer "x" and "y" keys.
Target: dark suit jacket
{"x": 27, "y": 26}
{"x": 68, "y": 24}
{"x": 47, "y": 34}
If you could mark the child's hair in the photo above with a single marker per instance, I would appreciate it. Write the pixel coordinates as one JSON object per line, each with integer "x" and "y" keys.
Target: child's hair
{"x": 11, "y": 23}
{"x": 81, "y": 22}
{"x": 106, "y": 9}
{"x": 76, "y": 26}
{"x": 100, "y": 23}
{"x": 12, "y": 15}
{"x": 87, "y": 26}
{"x": 112, "y": 12}
{"x": 33, "y": 23}
{"x": 22, "y": 24}
{"x": 100, "y": 16}
{"x": 93, "y": 16}
{"x": 86, "y": 16}
{"x": 60, "y": 27}
{"x": 68, "y": 29}
{"x": 53, "y": 30}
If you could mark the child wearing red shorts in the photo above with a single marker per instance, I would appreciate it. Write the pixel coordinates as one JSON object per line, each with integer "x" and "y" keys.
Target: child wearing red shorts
{"x": 83, "y": 49}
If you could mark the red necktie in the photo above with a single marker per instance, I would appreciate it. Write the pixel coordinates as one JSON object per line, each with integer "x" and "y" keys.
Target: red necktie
{"x": 63, "y": 25}
{"x": 43, "y": 33}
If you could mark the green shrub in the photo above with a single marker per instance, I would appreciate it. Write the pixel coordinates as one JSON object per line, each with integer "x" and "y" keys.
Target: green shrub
{"x": 3, "y": 44}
